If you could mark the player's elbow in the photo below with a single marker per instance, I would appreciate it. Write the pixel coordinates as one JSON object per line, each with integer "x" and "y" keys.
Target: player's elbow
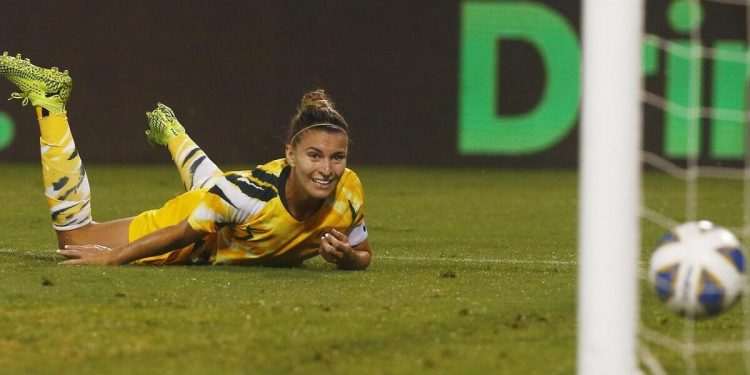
{"x": 185, "y": 235}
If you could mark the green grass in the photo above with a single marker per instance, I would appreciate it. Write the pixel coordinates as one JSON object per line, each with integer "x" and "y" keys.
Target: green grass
{"x": 474, "y": 272}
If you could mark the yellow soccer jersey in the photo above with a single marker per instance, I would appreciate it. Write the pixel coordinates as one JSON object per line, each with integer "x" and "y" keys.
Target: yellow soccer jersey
{"x": 247, "y": 211}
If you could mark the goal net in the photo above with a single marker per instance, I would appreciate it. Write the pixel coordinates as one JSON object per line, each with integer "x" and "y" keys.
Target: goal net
{"x": 695, "y": 66}
{"x": 687, "y": 107}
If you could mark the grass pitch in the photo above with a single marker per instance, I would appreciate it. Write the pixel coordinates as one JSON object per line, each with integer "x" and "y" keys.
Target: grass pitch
{"x": 473, "y": 272}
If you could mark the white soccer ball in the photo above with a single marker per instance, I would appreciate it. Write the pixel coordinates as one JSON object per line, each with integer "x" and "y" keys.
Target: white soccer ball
{"x": 698, "y": 269}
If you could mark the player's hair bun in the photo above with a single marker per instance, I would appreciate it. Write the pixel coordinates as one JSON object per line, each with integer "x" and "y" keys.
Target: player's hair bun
{"x": 315, "y": 107}
{"x": 316, "y": 99}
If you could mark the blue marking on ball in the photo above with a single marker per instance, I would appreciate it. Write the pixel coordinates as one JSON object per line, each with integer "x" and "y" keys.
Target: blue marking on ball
{"x": 711, "y": 295}
{"x": 736, "y": 257}
{"x": 665, "y": 282}
{"x": 667, "y": 238}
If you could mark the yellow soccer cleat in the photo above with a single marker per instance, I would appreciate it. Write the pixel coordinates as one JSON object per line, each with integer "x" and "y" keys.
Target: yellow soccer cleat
{"x": 162, "y": 126}
{"x": 46, "y": 88}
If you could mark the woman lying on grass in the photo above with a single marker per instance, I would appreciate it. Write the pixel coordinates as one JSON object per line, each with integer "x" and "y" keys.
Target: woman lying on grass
{"x": 278, "y": 214}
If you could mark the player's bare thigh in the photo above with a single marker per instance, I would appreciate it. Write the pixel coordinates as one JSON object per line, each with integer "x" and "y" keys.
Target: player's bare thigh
{"x": 111, "y": 234}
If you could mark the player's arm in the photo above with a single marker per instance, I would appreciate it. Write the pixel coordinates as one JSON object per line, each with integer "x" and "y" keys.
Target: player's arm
{"x": 156, "y": 243}
{"x": 335, "y": 248}
{"x": 363, "y": 256}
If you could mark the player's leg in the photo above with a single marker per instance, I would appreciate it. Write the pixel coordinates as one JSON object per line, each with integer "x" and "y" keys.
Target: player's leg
{"x": 66, "y": 185}
{"x": 66, "y": 189}
{"x": 196, "y": 169}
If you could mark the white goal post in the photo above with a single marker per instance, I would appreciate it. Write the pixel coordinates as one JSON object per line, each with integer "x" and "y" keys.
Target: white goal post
{"x": 609, "y": 193}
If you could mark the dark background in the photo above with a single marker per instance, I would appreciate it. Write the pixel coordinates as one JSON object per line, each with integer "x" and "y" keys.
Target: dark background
{"x": 234, "y": 72}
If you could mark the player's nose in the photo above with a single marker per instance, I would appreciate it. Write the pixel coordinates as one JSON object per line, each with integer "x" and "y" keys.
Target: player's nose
{"x": 326, "y": 167}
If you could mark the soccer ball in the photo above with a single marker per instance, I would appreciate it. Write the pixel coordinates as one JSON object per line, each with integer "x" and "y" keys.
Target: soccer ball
{"x": 698, "y": 269}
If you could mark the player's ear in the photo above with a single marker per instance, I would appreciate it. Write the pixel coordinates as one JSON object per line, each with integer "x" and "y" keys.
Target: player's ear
{"x": 290, "y": 155}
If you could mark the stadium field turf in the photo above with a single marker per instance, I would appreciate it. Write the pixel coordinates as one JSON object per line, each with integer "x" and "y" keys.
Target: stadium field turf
{"x": 474, "y": 271}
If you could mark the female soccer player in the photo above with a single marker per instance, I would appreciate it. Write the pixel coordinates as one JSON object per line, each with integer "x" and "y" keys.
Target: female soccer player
{"x": 278, "y": 214}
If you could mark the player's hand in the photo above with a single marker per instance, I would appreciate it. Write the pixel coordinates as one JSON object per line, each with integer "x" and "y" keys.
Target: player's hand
{"x": 335, "y": 248}
{"x": 86, "y": 254}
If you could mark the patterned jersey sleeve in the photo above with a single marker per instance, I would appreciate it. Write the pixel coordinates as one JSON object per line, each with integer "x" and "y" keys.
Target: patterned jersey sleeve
{"x": 356, "y": 197}
{"x": 233, "y": 199}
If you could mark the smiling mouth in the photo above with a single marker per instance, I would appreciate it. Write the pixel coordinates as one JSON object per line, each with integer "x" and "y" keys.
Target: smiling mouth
{"x": 323, "y": 183}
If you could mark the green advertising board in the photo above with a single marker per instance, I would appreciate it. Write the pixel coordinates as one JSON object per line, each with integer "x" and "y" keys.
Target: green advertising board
{"x": 677, "y": 63}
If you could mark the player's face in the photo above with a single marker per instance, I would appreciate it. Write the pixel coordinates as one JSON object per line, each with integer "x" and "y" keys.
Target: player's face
{"x": 318, "y": 160}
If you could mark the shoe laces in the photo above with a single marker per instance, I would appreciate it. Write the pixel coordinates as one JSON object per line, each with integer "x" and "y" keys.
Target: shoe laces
{"x": 24, "y": 97}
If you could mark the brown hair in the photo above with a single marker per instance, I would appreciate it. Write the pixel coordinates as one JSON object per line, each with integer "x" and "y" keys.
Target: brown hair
{"x": 315, "y": 108}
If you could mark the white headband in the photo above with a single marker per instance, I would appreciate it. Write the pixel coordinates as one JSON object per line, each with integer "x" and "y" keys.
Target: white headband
{"x": 291, "y": 141}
